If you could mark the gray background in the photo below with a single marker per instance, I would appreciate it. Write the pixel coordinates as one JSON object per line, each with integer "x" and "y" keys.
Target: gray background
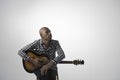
{"x": 86, "y": 29}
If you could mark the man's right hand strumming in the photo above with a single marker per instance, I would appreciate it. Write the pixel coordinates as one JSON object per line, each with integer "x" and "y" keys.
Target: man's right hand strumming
{"x": 34, "y": 61}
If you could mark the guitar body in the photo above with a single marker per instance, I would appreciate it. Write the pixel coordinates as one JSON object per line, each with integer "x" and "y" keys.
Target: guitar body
{"x": 30, "y": 67}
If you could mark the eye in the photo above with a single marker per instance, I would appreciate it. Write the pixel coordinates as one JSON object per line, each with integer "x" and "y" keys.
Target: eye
{"x": 47, "y": 32}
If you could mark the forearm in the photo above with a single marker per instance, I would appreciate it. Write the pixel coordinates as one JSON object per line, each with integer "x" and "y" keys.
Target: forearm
{"x": 60, "y": 52}
{"x": 59, "y": 58}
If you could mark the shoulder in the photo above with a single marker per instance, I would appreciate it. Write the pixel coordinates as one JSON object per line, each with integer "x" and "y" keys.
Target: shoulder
{"x": 36, "y": 41}
{"x": 55, "y": 41}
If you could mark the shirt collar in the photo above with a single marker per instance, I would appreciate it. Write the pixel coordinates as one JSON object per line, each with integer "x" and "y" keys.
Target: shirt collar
{"x": 41, "y": 43}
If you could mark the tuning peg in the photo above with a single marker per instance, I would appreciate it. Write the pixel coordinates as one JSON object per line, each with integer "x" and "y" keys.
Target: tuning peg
{"x": 82, "y": 62}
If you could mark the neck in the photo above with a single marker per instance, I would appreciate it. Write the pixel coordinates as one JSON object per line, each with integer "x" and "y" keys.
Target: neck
{"x": 46, "y": 42}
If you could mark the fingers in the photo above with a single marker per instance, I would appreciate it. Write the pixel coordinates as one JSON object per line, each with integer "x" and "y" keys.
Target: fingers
{"x": 43, "y": 71}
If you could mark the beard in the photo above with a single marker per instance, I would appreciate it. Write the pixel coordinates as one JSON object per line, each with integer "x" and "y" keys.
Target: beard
{"x": 47, "y": 41}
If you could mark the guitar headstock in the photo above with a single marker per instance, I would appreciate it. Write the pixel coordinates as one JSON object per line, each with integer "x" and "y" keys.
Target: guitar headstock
{"x": 77, "y": 62}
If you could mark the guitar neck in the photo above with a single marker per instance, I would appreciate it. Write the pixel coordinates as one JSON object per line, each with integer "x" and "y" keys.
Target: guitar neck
{"x": 75, "y": 62}
{"x": 66, "y": 62}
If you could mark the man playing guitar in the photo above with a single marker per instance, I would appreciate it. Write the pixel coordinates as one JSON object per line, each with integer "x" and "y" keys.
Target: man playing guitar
{"x": 46, "y": 45}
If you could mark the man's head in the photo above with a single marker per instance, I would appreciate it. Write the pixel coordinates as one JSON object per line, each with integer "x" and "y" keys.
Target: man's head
{"x": 45, "y": 34}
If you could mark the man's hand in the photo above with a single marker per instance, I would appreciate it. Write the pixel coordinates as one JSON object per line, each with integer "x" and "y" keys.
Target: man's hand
{"x": 45, "y": 68}
{"x": 35, "y": 61}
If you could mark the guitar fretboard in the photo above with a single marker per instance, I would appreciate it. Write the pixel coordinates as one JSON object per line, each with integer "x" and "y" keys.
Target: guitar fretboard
{"x": 65, "y": 62}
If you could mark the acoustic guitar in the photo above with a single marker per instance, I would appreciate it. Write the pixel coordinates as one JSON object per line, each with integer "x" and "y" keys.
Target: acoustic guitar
{"x": 43, "y": 59}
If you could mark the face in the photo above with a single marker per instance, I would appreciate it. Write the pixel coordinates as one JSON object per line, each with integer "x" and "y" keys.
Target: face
{"x": 46, "y": 34}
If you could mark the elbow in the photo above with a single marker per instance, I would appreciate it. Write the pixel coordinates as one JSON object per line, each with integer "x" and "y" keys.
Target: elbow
{"x": 19, "y": 52}
{"x": 63, "y": 56}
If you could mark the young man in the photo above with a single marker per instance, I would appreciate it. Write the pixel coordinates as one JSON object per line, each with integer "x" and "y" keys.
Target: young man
{"x": 45, "y": 45}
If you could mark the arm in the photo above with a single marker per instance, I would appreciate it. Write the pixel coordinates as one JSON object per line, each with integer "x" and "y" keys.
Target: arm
{"x": 60, "y": 53}
{"x": 22, "y": 52}
{"x": 58, "y": 58}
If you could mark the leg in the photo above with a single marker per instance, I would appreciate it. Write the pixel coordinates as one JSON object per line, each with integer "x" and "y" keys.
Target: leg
{"x": 39, "y": 76}
{"x": 52, "y": 74}
{"x": 37, "y": 79}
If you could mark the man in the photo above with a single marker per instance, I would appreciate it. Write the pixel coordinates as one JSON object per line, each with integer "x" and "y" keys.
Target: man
{"x": 45, "y": 45}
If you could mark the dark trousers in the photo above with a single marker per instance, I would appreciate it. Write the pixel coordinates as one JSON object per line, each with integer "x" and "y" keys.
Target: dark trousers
{"x": 51, "y": 75}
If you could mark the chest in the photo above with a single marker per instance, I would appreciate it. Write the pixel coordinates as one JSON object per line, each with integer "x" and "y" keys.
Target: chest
{"x": 40, "y": 49}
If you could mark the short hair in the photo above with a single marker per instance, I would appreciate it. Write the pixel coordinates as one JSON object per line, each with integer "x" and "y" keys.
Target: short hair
{"x": 43, "y": 28}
